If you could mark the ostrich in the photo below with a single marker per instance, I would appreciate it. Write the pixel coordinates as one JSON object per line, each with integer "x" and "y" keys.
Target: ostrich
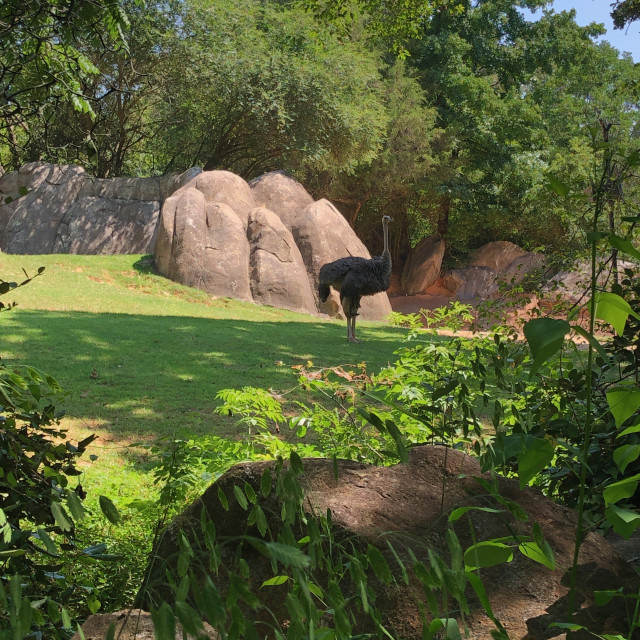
{"x": 355, "y": 277}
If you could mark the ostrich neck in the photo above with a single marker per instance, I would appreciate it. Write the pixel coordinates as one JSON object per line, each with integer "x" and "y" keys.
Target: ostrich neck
{"x": 385, "y": 252}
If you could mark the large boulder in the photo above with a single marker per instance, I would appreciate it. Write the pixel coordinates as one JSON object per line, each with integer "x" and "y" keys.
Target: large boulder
{"x": 94, "y": 225}
{"x": 574, "y": 283}
{"x": 29, "y": 223}
{"x": 471, "y": 283}
{"x": 423, "y": 266}
{"x": 522, "y": 267}
{"x": 280, "y": 193}
{"x": 496, "y": 255}
{"x": 405, "y": 507}
{"x": 130, "y": 625}
{"x": 226, "y": 188}
{"x": 323, "y": 235}
{"x": 277, "y": 272}
{"x": 203, "y": 244}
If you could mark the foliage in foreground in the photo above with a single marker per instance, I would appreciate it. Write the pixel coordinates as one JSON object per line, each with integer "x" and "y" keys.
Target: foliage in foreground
{"x": 41, "y": 503}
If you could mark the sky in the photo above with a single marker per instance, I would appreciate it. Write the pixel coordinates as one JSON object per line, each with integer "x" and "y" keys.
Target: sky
{"x": 587, "y": 11}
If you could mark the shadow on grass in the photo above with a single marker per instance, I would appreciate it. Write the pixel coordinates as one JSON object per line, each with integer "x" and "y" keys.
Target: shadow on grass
{"x": 139, "y": 376}
{"x": 146, "y": 264}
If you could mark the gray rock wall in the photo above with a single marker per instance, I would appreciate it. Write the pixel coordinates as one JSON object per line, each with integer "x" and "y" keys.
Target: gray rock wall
{"x": 64, "y": 210}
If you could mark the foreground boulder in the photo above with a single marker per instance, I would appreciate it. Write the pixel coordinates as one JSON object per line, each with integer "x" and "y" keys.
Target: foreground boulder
{"x": 129, "y": 625}
{"x": 402, "y": 511}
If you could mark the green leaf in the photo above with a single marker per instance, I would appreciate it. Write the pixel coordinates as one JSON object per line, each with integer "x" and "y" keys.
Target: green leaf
{"x": 75, "y": 505}
{"x": 456, "y": 514}
{"x": 261, "y": 520}
{"x": 109, "y": 509}
{"x": 623, "y": 403}
{"x": 240, "y": 497}
{"x": 623, "y": 521}
{"x": 223, "y": 499}
{"x": 634, "y": 429}
{"x": 603, "y": 598}
{"x": 164, "y": 623}
{"x": 287, "y": 555}
{"x": 210, "y": 603}
{"x": 486, "y": 554}
{"x": 94, "y": 604}
{"x": 48, "y": 543}
{"x": 189, "y": 619}
{"x": 394, "y": 432}
{"x": 570, "y": 626}
{"x": 558, "y": 187}
{"x": 276, "y": 580}
{"x": 533, "y": 551}
{"x": 379, "y": 564}
{"x": 296, "y": 463}
{"x": 625, "y": 455}
{"x": 316, "y": 590}
{"x": 613, "y": 309}
{"x": 592, "y": 340}
{"x": 620, "y": 490}
{"x": 450, "y": 627}
{"x": 545, "y": 337}
{"x": 265, "y": 482}
{"x": 250, "y": 493}
{"x": 61, "y": 517}
{"x": 624, "y": 246}
{"x": 537, "y": 455}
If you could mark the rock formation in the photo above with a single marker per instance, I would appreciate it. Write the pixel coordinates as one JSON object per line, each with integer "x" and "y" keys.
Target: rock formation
{"x": 277, "y": 273}
{"x": 423, "y": 266}
{"x": 61, "y": 209}
{"x": 406, "y": 506}
{"x": 262, "y": 242}
{"x": 493, "y": 263}
{"x": 213, "y": 235}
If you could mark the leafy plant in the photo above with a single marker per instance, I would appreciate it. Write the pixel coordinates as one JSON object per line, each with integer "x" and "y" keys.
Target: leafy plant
{"x": 39, "y": 502}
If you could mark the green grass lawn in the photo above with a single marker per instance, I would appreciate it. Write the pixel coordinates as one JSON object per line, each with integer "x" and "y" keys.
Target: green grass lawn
{"x": 143, "y": 357}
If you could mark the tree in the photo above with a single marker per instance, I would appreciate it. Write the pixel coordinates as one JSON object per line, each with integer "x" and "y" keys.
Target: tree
{"x": 113, "y": 139}
{"x": 386, "y": 184}
{"x": 625, "y": 12}
{"x": 41, "y": 59}
{"x": 266, "y": 88}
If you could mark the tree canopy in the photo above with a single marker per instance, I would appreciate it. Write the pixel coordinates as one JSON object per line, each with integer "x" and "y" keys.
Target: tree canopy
{"x": 452, "y": 115}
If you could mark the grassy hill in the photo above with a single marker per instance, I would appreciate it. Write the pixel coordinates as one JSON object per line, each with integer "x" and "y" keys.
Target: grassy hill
{"x": 142, "y": 357}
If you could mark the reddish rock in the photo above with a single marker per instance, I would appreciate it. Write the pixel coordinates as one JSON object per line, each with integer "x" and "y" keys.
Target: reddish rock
{"x": 423, "y": 266}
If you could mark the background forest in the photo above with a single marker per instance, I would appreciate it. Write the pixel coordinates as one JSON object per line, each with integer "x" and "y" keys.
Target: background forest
{"x": 451, "y": 116}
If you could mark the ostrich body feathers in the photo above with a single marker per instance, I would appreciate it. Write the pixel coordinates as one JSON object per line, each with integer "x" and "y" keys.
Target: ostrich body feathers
{"x": 355, "y": 277}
